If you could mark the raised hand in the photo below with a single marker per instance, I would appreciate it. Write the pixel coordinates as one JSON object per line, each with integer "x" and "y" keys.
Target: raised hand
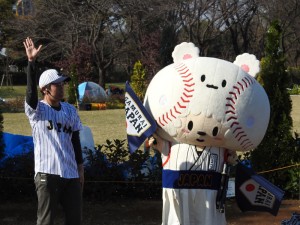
{"x": 31, "y": 51}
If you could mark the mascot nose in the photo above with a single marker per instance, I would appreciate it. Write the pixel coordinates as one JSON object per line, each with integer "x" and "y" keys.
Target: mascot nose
{"x": 201, "y": 133}
{"x": 212, "y": 86}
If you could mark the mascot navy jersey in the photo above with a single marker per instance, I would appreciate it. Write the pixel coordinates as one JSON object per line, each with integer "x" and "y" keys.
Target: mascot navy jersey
{"x": 52, "y": 132}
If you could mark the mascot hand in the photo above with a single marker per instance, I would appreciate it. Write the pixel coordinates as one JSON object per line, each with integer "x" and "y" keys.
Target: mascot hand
{"x": 232, "y": 157}
{"x": 156, "y": 142}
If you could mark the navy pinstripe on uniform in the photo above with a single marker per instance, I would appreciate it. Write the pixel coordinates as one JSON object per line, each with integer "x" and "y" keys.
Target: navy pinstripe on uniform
{"x": 52, "y": 132}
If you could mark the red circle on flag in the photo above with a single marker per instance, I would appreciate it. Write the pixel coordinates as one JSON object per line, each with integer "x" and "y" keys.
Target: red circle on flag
{"x": 250, "y": 187}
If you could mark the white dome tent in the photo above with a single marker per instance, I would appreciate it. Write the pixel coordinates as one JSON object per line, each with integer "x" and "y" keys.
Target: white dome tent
{"x": 91, "y": 96}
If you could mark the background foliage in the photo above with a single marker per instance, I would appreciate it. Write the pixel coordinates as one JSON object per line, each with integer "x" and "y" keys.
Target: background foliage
{"x": 105, "y": 38}
{"x": 278, "y": 146}
{"x": 138, "y": 80}
{"x": 101, "y": 40}
{"x": 110, "y": 171}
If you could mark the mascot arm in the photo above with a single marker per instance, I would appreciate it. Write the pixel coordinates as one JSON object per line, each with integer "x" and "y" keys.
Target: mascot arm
{"x": 157, "y": 143}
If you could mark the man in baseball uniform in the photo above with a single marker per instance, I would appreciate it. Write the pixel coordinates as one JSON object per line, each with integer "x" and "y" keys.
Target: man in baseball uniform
{"x": 59, "y": 173}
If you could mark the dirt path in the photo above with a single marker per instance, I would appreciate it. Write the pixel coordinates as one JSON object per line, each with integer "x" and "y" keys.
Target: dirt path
{"x": 236, "y": 217}
{"x": 138, "y": 212}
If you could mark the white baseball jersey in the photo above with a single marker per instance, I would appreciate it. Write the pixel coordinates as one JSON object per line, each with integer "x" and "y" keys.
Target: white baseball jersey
{"x": 183, "y": 204}
{"x": 52, "y": 132}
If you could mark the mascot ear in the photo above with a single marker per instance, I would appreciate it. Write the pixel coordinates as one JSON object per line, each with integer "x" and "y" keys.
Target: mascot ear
{"x": 248, "y": 63}
{"x": 185, "y": 50}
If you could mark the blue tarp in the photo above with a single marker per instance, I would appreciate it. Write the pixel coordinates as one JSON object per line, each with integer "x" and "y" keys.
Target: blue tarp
{"x": 16, "y": 145}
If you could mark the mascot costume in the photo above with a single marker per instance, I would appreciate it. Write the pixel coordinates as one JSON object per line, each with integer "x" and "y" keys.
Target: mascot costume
{"x": 206, "y": 109}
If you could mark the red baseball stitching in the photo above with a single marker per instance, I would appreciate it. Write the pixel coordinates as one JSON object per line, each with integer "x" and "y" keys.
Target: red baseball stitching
{"x": 239, "y": 134}
{"x": 184, "y": 99}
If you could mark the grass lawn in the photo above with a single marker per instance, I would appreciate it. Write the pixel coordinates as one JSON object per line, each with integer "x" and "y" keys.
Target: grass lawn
{"x": 105, "y": 124}
{"x": 296, "y": 113}
{"x": 12, "y": 92}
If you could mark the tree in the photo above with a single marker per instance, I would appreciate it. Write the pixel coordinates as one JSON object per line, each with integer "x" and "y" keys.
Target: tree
{"x": 79, "y": 67}
{"x": 143, "y": 22}
{"x": 200, "y": 23}
{"x": 2, "y": 145}
{"x": 169, "y": 39}
{"x": 277, "y": 148}
{"x": 138, "y": 80}
{"x": 5, "y": 15}
{"x": 119, "y": 32}
{"x": 6, "y": 55}
{"x": 240, "y": 19}
{"x": 62, "y": 26}
{"x": 73, "y": 86}
{"x": 288, "y": 12}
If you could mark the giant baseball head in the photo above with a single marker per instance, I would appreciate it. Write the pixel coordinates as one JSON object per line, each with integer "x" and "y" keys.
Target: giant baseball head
{"x": 208, "y": 101}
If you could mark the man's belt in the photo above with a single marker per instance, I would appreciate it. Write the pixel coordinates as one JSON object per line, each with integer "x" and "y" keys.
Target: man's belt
{"x": 191, "y": 179}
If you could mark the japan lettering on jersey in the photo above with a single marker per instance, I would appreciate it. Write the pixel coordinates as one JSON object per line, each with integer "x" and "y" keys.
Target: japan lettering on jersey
{"x": 52, "y": 133}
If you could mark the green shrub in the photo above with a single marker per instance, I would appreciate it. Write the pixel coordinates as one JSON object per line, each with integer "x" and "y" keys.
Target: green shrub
{"x": 18, "y": 78}
{"x": 13, "y": 105}
{"x": 110, "y": 171}
{"x": 17, "y": 177}
{"x": 295, "y": 90}
{"x": 2, "y": 144}
{"x": 115, "y": 102}
{"x": 138, "y": 80}
{"x": 292, "y": 187}
{"x": 277, "y": 150}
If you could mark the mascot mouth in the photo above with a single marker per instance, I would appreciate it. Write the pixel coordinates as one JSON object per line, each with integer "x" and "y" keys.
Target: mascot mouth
{"x": 212, "y": 86}
{"x": 201, "y": 133}
{"x": 218, "y": 139}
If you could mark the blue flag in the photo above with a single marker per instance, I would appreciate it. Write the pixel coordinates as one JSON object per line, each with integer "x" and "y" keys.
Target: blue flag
{"x": 139, "y": 123}
{"x": 255, "y": 193}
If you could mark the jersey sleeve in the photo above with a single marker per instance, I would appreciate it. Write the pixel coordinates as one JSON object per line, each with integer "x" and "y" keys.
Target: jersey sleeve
{"x": 77, "y": 147}
{"x": 31, "y": 89}
{"x": 33, "y": 114}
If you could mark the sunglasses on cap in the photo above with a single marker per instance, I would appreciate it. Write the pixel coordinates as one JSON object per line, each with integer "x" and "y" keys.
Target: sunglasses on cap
{"x": 59, "y": 83}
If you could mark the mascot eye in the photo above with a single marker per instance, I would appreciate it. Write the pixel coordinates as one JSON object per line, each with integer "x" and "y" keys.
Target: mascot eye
{"x": 224, "y": 83}
{"x": 203, "y": 78}
{"x": 215, "y": 131}
{"x": 190, "y": 125}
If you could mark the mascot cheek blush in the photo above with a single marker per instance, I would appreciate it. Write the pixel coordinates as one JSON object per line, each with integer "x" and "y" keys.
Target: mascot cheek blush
{"x": 206, "y": 109}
